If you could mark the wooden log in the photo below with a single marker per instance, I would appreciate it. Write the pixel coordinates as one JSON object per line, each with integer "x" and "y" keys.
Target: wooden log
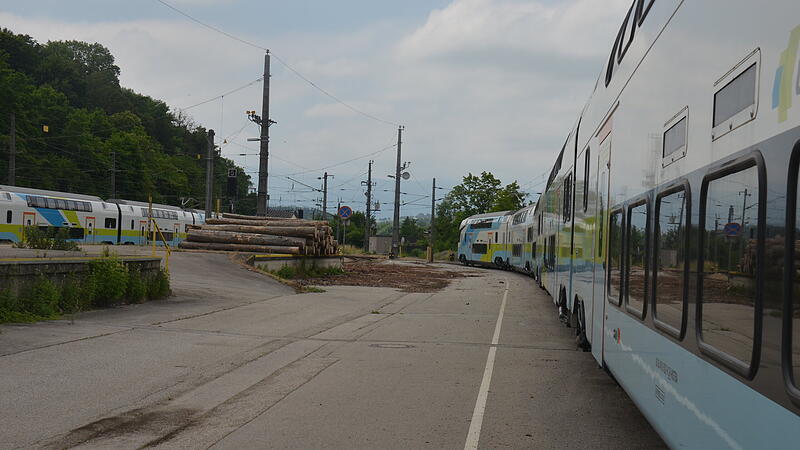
{"x": 239, "y": 247}
{"x": 246, "y": 217}
{"x": 228, "y": 237}
{"x": 300, "y": 232}
{"x": 266, "y": 222}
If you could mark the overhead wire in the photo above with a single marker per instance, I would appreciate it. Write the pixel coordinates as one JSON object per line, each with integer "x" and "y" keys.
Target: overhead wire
{"x": 280, "y": 60}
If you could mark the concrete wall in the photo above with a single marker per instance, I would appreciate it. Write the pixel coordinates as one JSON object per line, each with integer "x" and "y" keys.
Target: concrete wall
{"x": 272, "y": 264}
{"x": 17, "y": 272}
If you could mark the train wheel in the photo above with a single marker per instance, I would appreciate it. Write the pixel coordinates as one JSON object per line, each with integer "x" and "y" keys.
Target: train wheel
{"x": 462, "y": 259}
{"x": 578, "y": 318}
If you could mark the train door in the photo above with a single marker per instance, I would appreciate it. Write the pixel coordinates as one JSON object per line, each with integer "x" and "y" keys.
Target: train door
{"x": 596, "y": 320}
{"x": 143, "y": 232}
{"x": 28, "y": 219}
{"x": 89, "y": 236}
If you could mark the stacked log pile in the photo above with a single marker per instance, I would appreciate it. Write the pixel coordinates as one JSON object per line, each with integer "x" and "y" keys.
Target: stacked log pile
{"x": 236, "y": 232}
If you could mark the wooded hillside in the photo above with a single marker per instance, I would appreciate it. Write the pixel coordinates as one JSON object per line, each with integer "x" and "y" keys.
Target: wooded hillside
{"x": 73, "y": 88}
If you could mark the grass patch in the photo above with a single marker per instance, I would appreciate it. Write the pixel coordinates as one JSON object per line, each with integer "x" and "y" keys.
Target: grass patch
{"x": 313, "y": 289}
{"x": 303, "y": 272}
{"x": 351, "y": 250}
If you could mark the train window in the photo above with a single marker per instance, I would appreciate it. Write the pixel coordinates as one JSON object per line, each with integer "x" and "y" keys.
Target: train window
{"x": 626, "y": 33}
{"x": 533, "y": 250}
{"x": 479, "y": 249}
{"x": 637, "y": 233}
{"x": 530, "y": 234}
{"x": 675, "y": 138}
{"x": 111, "y": 223}
{"x": 645, "y": 9}
{"x": 9, "y": 216}
{"x": 791, "y": 307}
{"x": 5, "y": 197}
{"x": 516, "y": 250}
{"x": 729, "y": 261}
{"x": 496, "y": 236}
{"x": 567, "y": 203}
{"x": 736, "y": 96}
{"x": 669, "y": 278}
{"x": 50, "y": 203}
{"x": 482, "y": 224}
{"x": 736, "y": 103}
{"x": 615, "y": 257}
{"x": 586, "y": 164}
{"x": 132, "y": 226}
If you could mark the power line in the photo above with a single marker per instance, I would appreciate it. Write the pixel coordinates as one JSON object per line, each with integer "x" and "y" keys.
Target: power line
{"x": 244, "y": 86}
{"x": 335, "y": 98}
{"x": 280, "y": 60}
{"x": 211, "y": 27}
{"x": 345, "y": 162}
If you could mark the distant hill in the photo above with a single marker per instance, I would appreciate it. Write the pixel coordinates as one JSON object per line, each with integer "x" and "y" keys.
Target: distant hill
{"x": 97, "y": 127}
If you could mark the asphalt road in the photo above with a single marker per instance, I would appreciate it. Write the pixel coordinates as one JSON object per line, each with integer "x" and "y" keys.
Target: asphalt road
{"x": 236, "y": 360}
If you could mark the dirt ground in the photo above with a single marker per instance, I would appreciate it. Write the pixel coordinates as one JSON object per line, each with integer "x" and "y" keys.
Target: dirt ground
{"x": 407, "y": 276}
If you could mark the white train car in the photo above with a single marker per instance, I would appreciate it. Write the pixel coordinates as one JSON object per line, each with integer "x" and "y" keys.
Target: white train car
{"x": 88, "y": 219}
{"x": 521, "y": 239}
{"x": 172, "y": 221}
{"x": 669, "y": 224}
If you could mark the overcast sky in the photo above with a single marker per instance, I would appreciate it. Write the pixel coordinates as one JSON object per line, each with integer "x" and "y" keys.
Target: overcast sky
{"x": 480, "y": 85}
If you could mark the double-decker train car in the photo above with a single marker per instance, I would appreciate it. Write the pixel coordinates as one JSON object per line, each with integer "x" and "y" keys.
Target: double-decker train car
{"x": 172, "y": 221}
{"x": 483, "y": 240}
{"x": 88, "y": 219}
{"x": 667, "y": 233}
{"x": 523, "y": 247}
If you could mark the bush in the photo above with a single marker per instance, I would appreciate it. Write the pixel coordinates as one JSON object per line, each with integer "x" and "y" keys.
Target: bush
{"x": 136, "y": 286}
{"x": 286, "y": 272}
{"x": 110, "y": 280}
{"x": 42, "y": 298}
{"x": 51, "y": 238}
{"x": 76, "y": 294}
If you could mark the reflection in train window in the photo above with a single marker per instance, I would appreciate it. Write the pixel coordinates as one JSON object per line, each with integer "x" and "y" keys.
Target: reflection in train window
{"x": 636, "y": 252}
{"x": 670, "y": 261}
{"x": 615, "y": 257}
{"x": 729, "y": 266}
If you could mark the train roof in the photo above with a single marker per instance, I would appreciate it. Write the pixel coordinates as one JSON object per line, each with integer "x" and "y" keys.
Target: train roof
{"x": 120, "y": 201}
{"x": 44, "y": 192}
{"x": 490, "y": 215}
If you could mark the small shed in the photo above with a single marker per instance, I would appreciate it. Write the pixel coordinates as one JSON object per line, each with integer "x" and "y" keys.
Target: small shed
{"x": 380, "y": 245}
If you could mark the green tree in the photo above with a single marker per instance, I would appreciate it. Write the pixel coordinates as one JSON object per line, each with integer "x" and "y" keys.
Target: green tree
{"x": 412, "y": 231}
{"x": 475, "y": 195}
{"x": 95, "y": 125}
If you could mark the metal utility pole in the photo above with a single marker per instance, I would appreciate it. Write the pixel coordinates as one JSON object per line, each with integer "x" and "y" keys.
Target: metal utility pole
{"x": 263, "y": 159}
{"x": 433, "y": 217}
{"x": 369, "y": 207}
{"x": 744, "y": 203}
{"x": 210, "y": 174}
{"x": 12, "y": 151}
{"x": 396, "y": 224}
{"x": 113, "y": 174}
{"x": 325, "y": 195}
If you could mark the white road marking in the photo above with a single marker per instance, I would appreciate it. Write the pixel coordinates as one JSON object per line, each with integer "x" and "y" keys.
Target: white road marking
{"x": 474, "y": 434}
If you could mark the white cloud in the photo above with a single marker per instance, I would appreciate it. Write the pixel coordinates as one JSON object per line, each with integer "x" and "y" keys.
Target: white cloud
{"x": 480, "y": 85}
